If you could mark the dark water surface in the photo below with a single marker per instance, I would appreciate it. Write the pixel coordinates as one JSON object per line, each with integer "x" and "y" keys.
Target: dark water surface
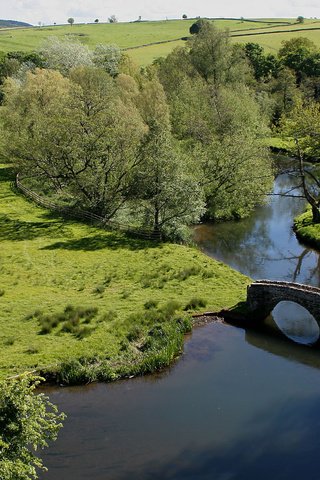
{"x": 238, "y": 405}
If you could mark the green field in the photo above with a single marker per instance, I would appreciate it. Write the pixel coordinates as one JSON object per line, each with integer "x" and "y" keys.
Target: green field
{"x": 48, "y": 264}
{"x": 128, "y": 35}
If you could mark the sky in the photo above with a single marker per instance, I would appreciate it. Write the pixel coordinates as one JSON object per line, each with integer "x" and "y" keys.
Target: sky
{"x": 50, "y": 11}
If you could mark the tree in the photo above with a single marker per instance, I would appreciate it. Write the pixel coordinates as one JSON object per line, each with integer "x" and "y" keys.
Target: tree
{"x": 300, "y": 19}
{"x": 294, "y": 54}
{"x": 63, "y": 55}
{"x": 197, "y": 26}
{"x": 71, "y": 21}
{"x": 112, "y": 19}
{"x": 236, "y": 172}
{"x": 264, "y": 66}
{"x": 214, "y": 58}
{"x": 184, "y": 16}
{"x": 108, "y": 57}
{"x": 165, "y": 184}
{"x": 28, "y": 421}
{"x": 303, "y": 128}
{"x": 96, "y": 20}
{"x": 88, "y": 149}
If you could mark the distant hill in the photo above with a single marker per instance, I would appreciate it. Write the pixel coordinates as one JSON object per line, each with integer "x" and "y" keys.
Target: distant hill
{"x": 13, "y": 23}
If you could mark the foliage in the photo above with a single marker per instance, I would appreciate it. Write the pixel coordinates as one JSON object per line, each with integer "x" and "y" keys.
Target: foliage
{"x": 264, "y": 66}
{"x": 215, "y": 116}
{"x": 107, "y": 57}
{"x": 112, "y": 19}
{"x": 295, "y": 54}
{"x": 197, "y": 26}
{"x": 28, "y": 421}
{"x": 94, "y": 164}
{"x": 63, "y": 55}
{"x": 303, "y": 127}
{"x": 71, "y": 20}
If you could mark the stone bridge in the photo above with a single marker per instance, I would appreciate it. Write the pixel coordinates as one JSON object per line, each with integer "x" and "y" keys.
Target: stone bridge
{"x": 264, "y": 295}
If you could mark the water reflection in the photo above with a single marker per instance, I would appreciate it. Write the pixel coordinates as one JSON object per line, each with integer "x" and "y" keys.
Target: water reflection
{"x": 296, "y": 322}
{"x": 264, "y": 245}
{"x": 230, "y": 411}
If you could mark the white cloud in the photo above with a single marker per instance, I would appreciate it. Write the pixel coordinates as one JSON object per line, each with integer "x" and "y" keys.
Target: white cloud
{"x": 50, "y": 11}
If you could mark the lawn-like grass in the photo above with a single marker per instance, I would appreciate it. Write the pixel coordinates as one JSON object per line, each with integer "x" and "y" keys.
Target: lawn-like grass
{"x": 271, "y": 40}
{"x": 307, "y": 231}
{"x": 128, "y": 35}
{"x": 48, "y": 263}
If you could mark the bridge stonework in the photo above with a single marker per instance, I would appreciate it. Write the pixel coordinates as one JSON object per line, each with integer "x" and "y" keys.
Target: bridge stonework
{"x": 264, "y": 295}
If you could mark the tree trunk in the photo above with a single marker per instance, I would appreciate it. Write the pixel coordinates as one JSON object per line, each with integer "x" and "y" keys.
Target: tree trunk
{"x": 315, "y": 214}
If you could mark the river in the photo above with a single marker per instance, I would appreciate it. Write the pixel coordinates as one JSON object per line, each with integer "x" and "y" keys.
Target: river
{"x": 238, "y": 405}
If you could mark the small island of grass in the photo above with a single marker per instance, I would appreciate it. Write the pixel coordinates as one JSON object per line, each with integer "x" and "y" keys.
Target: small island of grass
{"x": 306, "y": 230}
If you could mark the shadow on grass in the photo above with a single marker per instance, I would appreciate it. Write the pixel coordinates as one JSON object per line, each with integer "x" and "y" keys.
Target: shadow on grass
{"x": 6, "y": 174}
{"x": 111, "y": 240}
{"x": 18, "y": 230}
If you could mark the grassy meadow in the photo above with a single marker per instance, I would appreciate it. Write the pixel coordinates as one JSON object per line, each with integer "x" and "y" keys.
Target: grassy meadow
{"x": 71, "y": 291}
{"x": 268, "y": 32}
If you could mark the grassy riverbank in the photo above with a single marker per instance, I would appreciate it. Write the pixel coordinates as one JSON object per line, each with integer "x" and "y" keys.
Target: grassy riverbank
{"x": 307, "y": 231}
{"x": 92, "y": 304}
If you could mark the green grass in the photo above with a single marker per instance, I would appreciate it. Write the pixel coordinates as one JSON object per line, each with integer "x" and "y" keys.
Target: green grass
{"x": 70, "y": 291}
{"x": 307, "y": 231}
{"x": 272, "y": 38}
{"x": 128, "y": 35}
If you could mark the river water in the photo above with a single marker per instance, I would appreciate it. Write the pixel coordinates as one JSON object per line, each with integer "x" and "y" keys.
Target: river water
{"x": 238, "y": 405}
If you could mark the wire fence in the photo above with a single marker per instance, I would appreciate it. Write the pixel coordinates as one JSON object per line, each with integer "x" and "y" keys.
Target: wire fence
{"x": 87, "y": 217}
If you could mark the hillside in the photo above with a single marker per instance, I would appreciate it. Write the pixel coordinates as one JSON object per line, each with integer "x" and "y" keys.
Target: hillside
{"x": 147, "y": 40}
{"x": 13, "y": 24}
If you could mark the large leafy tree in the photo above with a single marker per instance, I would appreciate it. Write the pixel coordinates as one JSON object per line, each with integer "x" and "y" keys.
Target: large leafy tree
{"x": 296, "y": 54}
{"x": 75, "y": 133}
{"x": 219, "y": 122}
{"x": 63, "y": 55}
{"x": 168, "y": 188}
{"x": 28, "y": 421}
{"x": 302, "y": 129}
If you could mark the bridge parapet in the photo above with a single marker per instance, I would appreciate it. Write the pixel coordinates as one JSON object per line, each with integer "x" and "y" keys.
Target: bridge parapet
{"x": 264, "y": 295}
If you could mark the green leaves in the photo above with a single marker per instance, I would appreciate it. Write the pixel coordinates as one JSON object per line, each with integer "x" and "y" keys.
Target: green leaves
{"x": 27, "y": 421}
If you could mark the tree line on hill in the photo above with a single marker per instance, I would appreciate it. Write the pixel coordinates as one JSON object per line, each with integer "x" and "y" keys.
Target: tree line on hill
{"x": 159, "y": 147}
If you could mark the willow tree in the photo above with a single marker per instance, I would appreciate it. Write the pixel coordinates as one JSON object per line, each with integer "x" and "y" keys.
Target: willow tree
{"x": 75, "y": 135}
{"x": 165, "y": 182}
{"x": 219, "y": 123}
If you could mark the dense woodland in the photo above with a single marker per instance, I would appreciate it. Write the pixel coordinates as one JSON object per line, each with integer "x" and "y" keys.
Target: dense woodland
{"x": 165, "y": 146}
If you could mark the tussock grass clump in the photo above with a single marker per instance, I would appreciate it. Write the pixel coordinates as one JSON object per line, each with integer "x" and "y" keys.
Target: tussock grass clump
{"x": 32, "y": 350}
{"x": 150, "y": 304}
{"x": 2, "y": 292}
{"x": 195, "y": 303}
{"x": 72, "y": 320}
{"x": 99, "y": 289}
{"x": 187, "y": 272}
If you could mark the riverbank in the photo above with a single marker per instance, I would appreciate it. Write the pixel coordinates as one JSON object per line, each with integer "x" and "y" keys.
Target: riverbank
{"x": 307, "y": 231}
{"x": 79, "y": 303}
